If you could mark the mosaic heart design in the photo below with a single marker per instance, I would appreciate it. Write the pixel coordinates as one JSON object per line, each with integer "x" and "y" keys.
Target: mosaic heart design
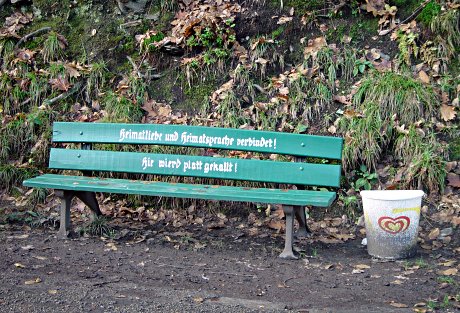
{"x": 394, "y": 225}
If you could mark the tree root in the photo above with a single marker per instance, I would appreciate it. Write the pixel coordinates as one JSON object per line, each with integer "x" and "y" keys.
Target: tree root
{"x": 406, "y": 20}
{"x": 31, "y": 35}
{"x": 64, "y": 95}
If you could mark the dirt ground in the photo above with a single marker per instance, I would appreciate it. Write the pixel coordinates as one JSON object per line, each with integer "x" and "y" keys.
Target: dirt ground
{"x": 197, "y": 269}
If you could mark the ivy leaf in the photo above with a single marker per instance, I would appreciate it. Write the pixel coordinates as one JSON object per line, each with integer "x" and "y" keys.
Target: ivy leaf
{"x": 355, "y": 71}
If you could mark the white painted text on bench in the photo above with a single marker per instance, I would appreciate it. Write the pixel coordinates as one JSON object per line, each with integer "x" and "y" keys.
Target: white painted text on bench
{"x": 190, "y": 166}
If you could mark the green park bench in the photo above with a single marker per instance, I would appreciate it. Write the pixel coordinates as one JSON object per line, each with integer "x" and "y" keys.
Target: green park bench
{"x": 284, "y": 175}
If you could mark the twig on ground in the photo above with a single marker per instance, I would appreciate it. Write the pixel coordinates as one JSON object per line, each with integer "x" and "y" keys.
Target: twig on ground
{"x": 107, "y": 282}
{"x": 233, "y": 274}
{"x": 169, "y": 265}
{"x": 259, "y": 88}
{"x": 25, "y": 101}
{"x": 334, "y": 9}
{"x": 409, "y": 18}
{"x": 121, "y": 6}
{"x": 288, "y": 279}
{"x": 135, "y": 67}
{"x": 64, "y": 95}
{"x": 31, "y": 35}
{"x": 131, "y": 24}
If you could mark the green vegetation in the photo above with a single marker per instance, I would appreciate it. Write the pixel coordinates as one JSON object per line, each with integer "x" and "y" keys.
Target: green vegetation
{"x": 447, "y": 29}
{"x": 454, "y": 149}
{"x": 101, "y": 71}
{"x": 303, "y": 6}
{"x": 148, "y": 43}
{"x": 52, "y": 50}
{"x": 99, "y": 227}
{"x": 363, "y": 27}
{"x": 120, "y": 109}
{"x": 428, "y": 13}
{"x": 381, "y": 103}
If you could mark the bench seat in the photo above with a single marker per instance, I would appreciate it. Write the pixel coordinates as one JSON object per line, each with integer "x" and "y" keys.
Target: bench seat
{"x": 179, "y": 190}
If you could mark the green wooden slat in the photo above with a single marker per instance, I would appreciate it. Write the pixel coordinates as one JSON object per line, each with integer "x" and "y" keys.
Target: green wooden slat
{"x": 198, "y": 136}
{"x": 197, "y": 166}
{"x": 226, "y": 193}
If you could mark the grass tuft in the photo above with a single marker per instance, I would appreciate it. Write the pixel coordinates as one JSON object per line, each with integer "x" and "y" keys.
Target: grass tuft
{"x": 99, "y": 227}
{"x": 52, "y": 50}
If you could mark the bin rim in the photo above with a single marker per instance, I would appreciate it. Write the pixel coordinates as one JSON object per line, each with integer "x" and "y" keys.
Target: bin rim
{"x": 392, "y": 195}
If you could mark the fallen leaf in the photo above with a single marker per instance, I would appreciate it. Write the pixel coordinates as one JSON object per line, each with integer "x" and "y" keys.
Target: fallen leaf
{"x": 284, "y": 91}
{"x": 332, "y": 129}
{"x": 261, "y": 61}
{"x": 111, "y": 246}
{"x": 198, "y": 300}
{"x": 449, "y": 263}
{"x": 362, "y": 266}
{"x": 60, "y": 83}
{"x": 426, "y": 246}
{"x": 276, "y": 225}
{"x": 72, "y": 70}
{"x": 24, "y": 236}
{"x": 456, "y": 220}
{"x": 283, "y": 20}
{"x": 342, "y": 99}
{"x": 448, "y": 112}
{"x": 351, "y": 113}
{"x": 424, "y": 77}
{"x": 344, "y": 237}
{"x": 454, "y": 180}
{"x": 314, "y": 45}
{"x": 346, "y": 39}
{"x": 25, "y": 54}
{"x": 33, "y": 281}
{"x": 449, "y": 272}
{"x": 398, "y": 305}
{"x": 323, "y": 28}
{"x": 434, "y": 234}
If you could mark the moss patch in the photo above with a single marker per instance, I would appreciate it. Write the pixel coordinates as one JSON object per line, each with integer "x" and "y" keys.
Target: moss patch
{"x": 431, "y": 10}
{"x": 364, "y": 27}
{"x": 454, "y": 149}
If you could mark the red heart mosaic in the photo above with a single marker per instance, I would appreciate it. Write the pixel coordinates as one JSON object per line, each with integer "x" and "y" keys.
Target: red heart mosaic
{"x": 394, "y": 225}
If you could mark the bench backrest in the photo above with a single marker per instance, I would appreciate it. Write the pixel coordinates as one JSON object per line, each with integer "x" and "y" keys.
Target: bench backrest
{"x": 323, "y": 147}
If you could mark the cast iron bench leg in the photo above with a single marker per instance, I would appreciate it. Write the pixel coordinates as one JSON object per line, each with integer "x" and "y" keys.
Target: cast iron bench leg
{"x": 288, "y": 253}
{"x": 88, "y": 198}
{"x": 303, "y": 230}
{"x": 64, "y": 227}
